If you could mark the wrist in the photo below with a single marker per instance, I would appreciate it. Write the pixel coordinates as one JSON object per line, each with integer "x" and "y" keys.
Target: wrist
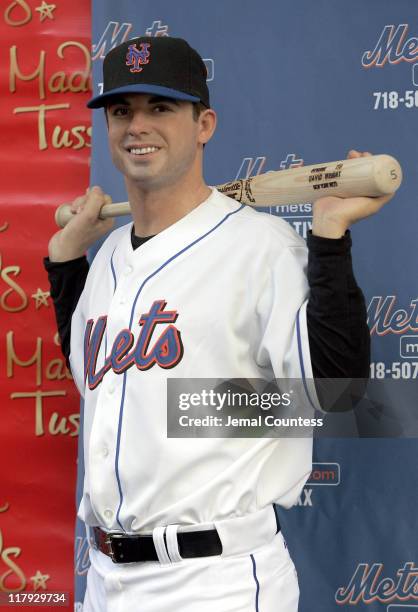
{"x": 60, "y": 250}
{"x": 62, "y": 257}
{"x": 328, "y": 228}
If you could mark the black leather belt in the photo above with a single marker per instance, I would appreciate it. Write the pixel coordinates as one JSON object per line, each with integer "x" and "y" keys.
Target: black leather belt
{"x": 122, "y": 548}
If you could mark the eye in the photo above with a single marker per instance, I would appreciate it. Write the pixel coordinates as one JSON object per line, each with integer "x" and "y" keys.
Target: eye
{"x": 161, "y": 108}
{"x": 119, "y": 111}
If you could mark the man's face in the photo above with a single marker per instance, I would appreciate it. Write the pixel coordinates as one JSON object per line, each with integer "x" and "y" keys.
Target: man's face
{"x": 154, "y": 141}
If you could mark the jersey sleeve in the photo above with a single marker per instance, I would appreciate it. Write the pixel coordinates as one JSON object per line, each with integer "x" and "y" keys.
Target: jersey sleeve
{"x": 339, "y": 337}
{"x": 282, "y": 308}
{"x": 67, "y": 280}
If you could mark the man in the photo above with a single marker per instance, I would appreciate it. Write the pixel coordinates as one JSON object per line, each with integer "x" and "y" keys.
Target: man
{"x": 197, "y": 287}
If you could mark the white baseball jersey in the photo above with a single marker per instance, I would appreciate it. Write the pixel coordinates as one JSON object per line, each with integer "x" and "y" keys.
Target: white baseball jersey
{"x": 221, "y": 293}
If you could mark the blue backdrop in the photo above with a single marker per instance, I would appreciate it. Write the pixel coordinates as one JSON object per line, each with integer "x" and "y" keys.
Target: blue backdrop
{"x": 303, "y": 82}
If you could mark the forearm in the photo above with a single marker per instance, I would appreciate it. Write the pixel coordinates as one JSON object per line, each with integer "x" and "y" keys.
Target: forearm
{"x": 67, "y": 280}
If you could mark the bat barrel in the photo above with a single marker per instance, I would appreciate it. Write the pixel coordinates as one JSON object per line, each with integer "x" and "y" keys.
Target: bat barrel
{"x": 370, "y": 176}
{"x": 387, "y": 174}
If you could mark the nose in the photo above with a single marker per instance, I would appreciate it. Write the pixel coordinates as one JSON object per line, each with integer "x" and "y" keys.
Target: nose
{"x": 139, "y": 123}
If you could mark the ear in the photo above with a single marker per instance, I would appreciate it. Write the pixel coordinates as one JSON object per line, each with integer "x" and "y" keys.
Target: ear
{"x": 207, "y": 124}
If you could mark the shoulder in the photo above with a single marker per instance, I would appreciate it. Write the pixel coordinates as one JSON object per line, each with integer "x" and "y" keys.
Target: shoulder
{"x": 262, "y": 227}
{"x": 113, "y": 239}
{"x": 119, "y": 236}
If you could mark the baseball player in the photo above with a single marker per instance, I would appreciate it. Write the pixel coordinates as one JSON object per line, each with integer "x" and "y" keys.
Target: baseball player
{"x": 197, "y": 286}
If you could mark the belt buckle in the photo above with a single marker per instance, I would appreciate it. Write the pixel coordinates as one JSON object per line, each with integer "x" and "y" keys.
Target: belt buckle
{"x": 112, "y": 552}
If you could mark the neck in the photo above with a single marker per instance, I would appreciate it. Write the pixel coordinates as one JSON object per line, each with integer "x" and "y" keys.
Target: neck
{"x": 153, "y": 210}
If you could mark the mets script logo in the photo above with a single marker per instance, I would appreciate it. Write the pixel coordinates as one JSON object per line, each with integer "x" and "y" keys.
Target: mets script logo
{"x": 166, "y": 351}
{"x": 384, "y": 318}
{"x": 368, "y": 585}
{"x": 138, "y": 57}
{"x": 393, "y": 46}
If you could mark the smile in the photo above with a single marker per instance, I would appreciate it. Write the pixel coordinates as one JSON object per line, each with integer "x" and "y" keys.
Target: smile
{"x": 142, "y": 150}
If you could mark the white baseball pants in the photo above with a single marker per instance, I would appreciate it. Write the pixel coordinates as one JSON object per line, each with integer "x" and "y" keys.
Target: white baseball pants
{"x": 261, "y": 578}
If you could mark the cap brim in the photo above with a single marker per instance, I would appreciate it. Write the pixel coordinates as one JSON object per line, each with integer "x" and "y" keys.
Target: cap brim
{"x": 158, "y": 90}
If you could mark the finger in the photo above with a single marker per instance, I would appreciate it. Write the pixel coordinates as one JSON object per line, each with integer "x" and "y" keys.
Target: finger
{"x": 110, "y": 221}
{"x": 373, "y": 206}
{"x": 106, "y": 200}
{"x": 94, "y": 200}
{"x": 353, "y": 153}
{"x": 95, "y": 192}
{"x": 77, "y": 205}
{"x": 382, "y": 200}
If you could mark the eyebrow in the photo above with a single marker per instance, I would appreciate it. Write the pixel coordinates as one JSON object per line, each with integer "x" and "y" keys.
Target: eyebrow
{"x": 153, "y": 100}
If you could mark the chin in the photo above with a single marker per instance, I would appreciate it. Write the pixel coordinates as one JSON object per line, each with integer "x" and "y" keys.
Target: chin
{"x": 143, "y": 179}
{"x": 139, "y": 173}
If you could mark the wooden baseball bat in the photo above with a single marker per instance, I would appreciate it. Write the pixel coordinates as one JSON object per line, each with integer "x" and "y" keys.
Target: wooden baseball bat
{"x": 370, "y": 176}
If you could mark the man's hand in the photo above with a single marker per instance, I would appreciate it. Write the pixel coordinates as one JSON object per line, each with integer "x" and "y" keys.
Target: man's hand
{"x": 84, "y": 229}
{"x": 332, "y": 216}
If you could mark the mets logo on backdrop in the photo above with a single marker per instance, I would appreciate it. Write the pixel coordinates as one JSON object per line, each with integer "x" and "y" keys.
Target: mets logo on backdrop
{"x": 399, "y": 321}
{"x": 368, "y": 584}
{"x": 117, "y": 32}
{"x": 299, "y": 215}
{"x": 136, "y": 58}
{"x": 394, "y": 46}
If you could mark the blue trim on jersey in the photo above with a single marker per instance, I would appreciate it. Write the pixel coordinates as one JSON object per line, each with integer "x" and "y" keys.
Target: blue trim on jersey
{"x": 113, "y": 271}
{"x": 130, "y": 325}
{"x": 302, "y": 365}
{"x": 257, "y": 593}
{"x": 112, "y": 267}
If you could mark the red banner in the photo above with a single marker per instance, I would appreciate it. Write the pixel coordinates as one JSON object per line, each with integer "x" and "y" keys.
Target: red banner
{"x": 45, "y": 128}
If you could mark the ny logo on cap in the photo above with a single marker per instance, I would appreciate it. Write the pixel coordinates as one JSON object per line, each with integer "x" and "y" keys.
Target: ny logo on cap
{"x": 137, "y": 57}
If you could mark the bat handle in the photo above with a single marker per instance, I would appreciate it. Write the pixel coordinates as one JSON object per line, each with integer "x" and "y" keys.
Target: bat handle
{"x": 64, "y": 214}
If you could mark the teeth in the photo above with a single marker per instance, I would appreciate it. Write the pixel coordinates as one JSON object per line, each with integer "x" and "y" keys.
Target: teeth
{"x": 143, "y": 150}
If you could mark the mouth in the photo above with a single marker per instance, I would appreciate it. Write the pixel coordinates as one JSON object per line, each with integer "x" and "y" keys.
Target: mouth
{"x": 141, "y": 151}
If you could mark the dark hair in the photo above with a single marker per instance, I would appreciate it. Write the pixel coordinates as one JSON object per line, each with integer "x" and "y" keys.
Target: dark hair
{"x": 198, "y": 108}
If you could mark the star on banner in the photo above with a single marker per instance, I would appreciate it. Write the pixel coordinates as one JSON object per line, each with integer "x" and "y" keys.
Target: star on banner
{"x": 39, "y": 580}
{"x": 45, "y": 10}
{"x": 41, "y": 298}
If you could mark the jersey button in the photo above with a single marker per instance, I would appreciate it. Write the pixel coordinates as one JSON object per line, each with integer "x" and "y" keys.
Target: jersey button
{"x": 108, "y": 513}
{"x": 128, "y": 270}
{"x": 122, "y": 300}
{"x": 105, "y": 451}
{"x": 111, "y": 389}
